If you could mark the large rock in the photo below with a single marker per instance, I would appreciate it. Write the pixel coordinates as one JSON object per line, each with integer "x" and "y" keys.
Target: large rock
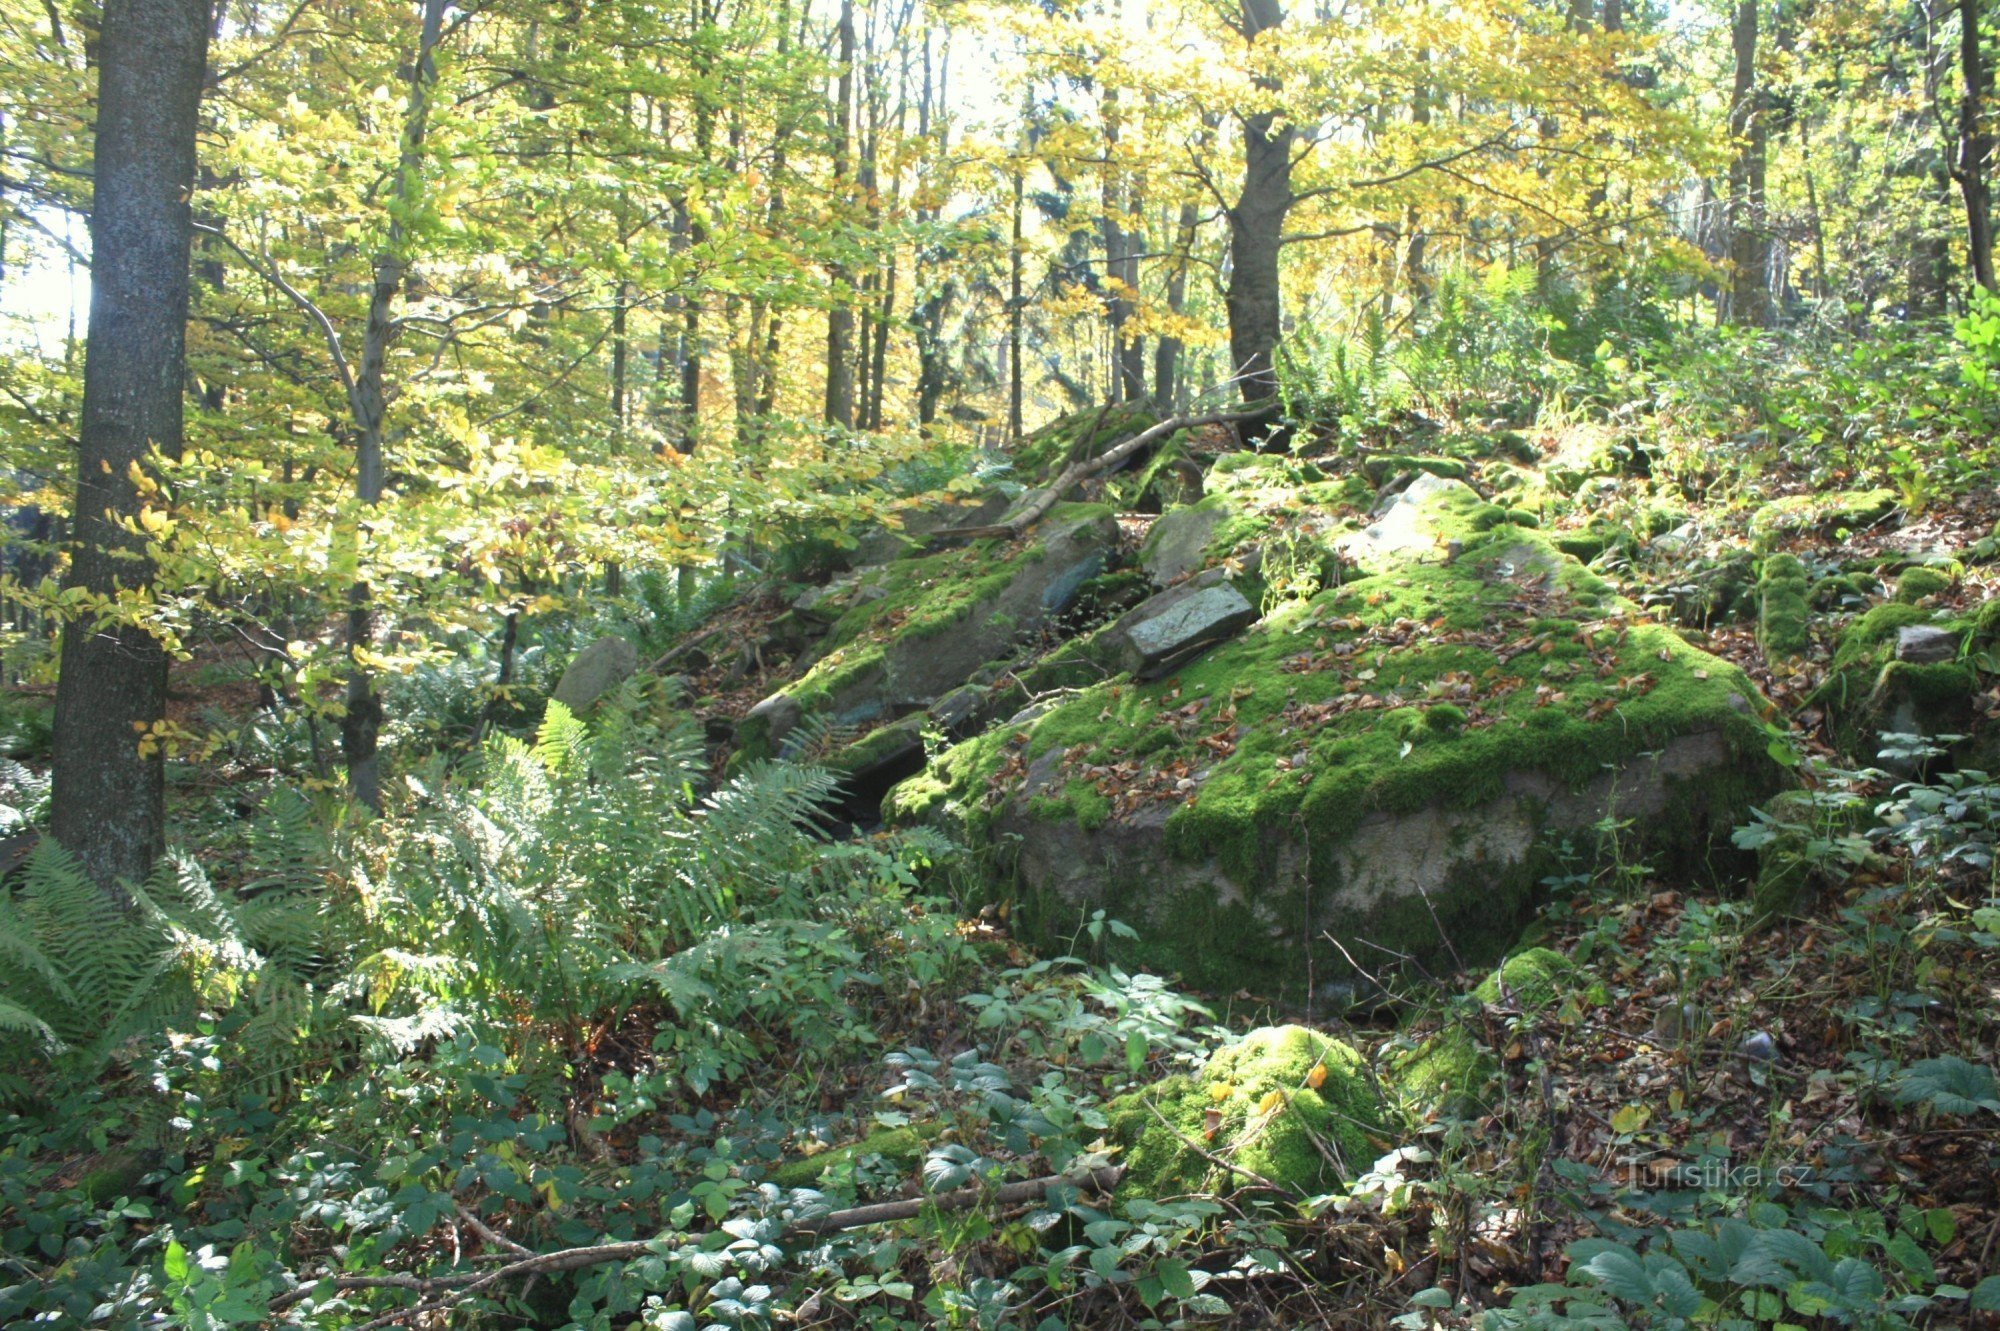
{"x": 886, "y": 544}
{"x": 1398, "y": 764}
{"x": 1179, "y": 542}
{"x": 917, "y": 629}
{"x": 595, "y": 671}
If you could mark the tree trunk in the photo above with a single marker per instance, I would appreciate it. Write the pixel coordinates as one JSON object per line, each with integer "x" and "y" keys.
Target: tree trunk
{"x": 1975, "y": 147}
{"x": 109, "y": 801}
{"x": 840, "y": 316}
{"x": 1256, "y": 233}
{"x": 1167, "y": 351}
{"x": 361, "y": 726}
{"x": 1016, "y": 301}
{"x": 1749, "y": 238}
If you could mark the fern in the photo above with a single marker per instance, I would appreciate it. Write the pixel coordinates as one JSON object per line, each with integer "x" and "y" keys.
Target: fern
{"x": 82, "y": 974}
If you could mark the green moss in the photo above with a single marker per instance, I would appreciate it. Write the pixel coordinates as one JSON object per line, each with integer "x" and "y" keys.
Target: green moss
{"x": 1072, "y": 438}
{"x": 1298, "y": 766}
{"x": 902, "y": 1147}
{"x": 915, "y": 599}
{"x": 1868, "y": 690}
{"x": 1783, "y": 609}
{"x": 1386, "y": 467}
{"x": 1449, "y": 1069}
{"x": 1255, "y": 1105}
{"x": 1920, "y": 584}
{"x": 1833, "y": 513}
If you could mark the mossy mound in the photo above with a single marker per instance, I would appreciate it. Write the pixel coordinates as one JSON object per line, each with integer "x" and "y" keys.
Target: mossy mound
{"x": 1831, "y": 513}
{"x": 1067, "y": 439}
{"x": 1385, "y": 467}
{"x": 1784, "y": 610}
{"x": 1449, "y": 1070}
{"x": 1920, "y": 584}
{"x": 1284, "y": 1104}
{"x": 1390, "y": 759}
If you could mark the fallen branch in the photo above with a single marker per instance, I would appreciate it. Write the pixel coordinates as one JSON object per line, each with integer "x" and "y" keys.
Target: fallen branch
{"x": 438, "y": 1292}
{"x": 1082, "y": 471}
{"x": 684, "y": 648}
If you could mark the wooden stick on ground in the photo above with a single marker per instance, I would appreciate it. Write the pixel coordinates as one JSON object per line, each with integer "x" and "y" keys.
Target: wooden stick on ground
{"x": 438, "y": 1292}
{"x": 1083, "y": 471}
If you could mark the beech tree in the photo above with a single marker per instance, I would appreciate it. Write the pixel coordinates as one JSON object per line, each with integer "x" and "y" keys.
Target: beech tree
{"x": 108, "y": 795}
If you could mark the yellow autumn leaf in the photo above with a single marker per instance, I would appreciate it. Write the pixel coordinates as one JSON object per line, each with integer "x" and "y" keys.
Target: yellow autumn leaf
{"x": 1631, "y": 1118}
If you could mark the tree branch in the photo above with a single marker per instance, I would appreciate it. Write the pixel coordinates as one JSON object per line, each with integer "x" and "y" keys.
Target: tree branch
{"x": 439, "y": 1292}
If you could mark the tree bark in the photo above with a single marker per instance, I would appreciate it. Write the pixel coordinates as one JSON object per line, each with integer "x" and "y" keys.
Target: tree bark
{"x": 361, "y": 726}
{"x": 108, "y": 801}
{"x": 840, "y": 316}
{"x": 1749, "y": 238}
{"x": 1016, "y": 308}
{"x": 1256, "y": 233}
{"x": 1975, "y": 147}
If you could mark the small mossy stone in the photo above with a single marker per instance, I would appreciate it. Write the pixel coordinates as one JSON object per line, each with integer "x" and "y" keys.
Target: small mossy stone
{"x": 1449, "y": 1070}
{"x": 1284, "y": 1103}
{"x": 1920, "y": 584}
{"x": 1528, "y": 980}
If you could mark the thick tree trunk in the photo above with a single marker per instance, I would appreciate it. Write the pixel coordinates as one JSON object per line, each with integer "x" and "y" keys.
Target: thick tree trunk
{"x": 109, "y": 801}
{"x": 1256, "y": 234}
{"x": 1975, "y": 147}
{"x": 1749, "y": 237}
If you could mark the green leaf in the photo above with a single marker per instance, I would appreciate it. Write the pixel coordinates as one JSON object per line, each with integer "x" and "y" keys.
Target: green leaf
{"x": 1950, "y": 1085}
{"x": 1622, "y": 1275}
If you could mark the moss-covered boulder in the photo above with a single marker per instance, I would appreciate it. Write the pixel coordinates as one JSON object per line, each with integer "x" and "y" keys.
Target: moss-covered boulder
{"x": 1398, "y": 762}
{"x": 1902, "y": 669}
{"x": 1449, "y": 1070}
{"x": 1828, "y": 512}
{"x": 1069, "y": 439}
{"x": 1921, "y": 583}
{"x": 1253, "y": 499}
{"x": 1284, "y": 1105}
{"x": 906, "y": 634}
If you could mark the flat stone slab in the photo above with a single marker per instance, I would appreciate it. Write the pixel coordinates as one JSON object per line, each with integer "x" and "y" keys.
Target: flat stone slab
{"x": 1176, "y": 626}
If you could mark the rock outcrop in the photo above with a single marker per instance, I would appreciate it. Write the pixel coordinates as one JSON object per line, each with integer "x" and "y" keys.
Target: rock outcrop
{"x": 1388, "y": 770}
